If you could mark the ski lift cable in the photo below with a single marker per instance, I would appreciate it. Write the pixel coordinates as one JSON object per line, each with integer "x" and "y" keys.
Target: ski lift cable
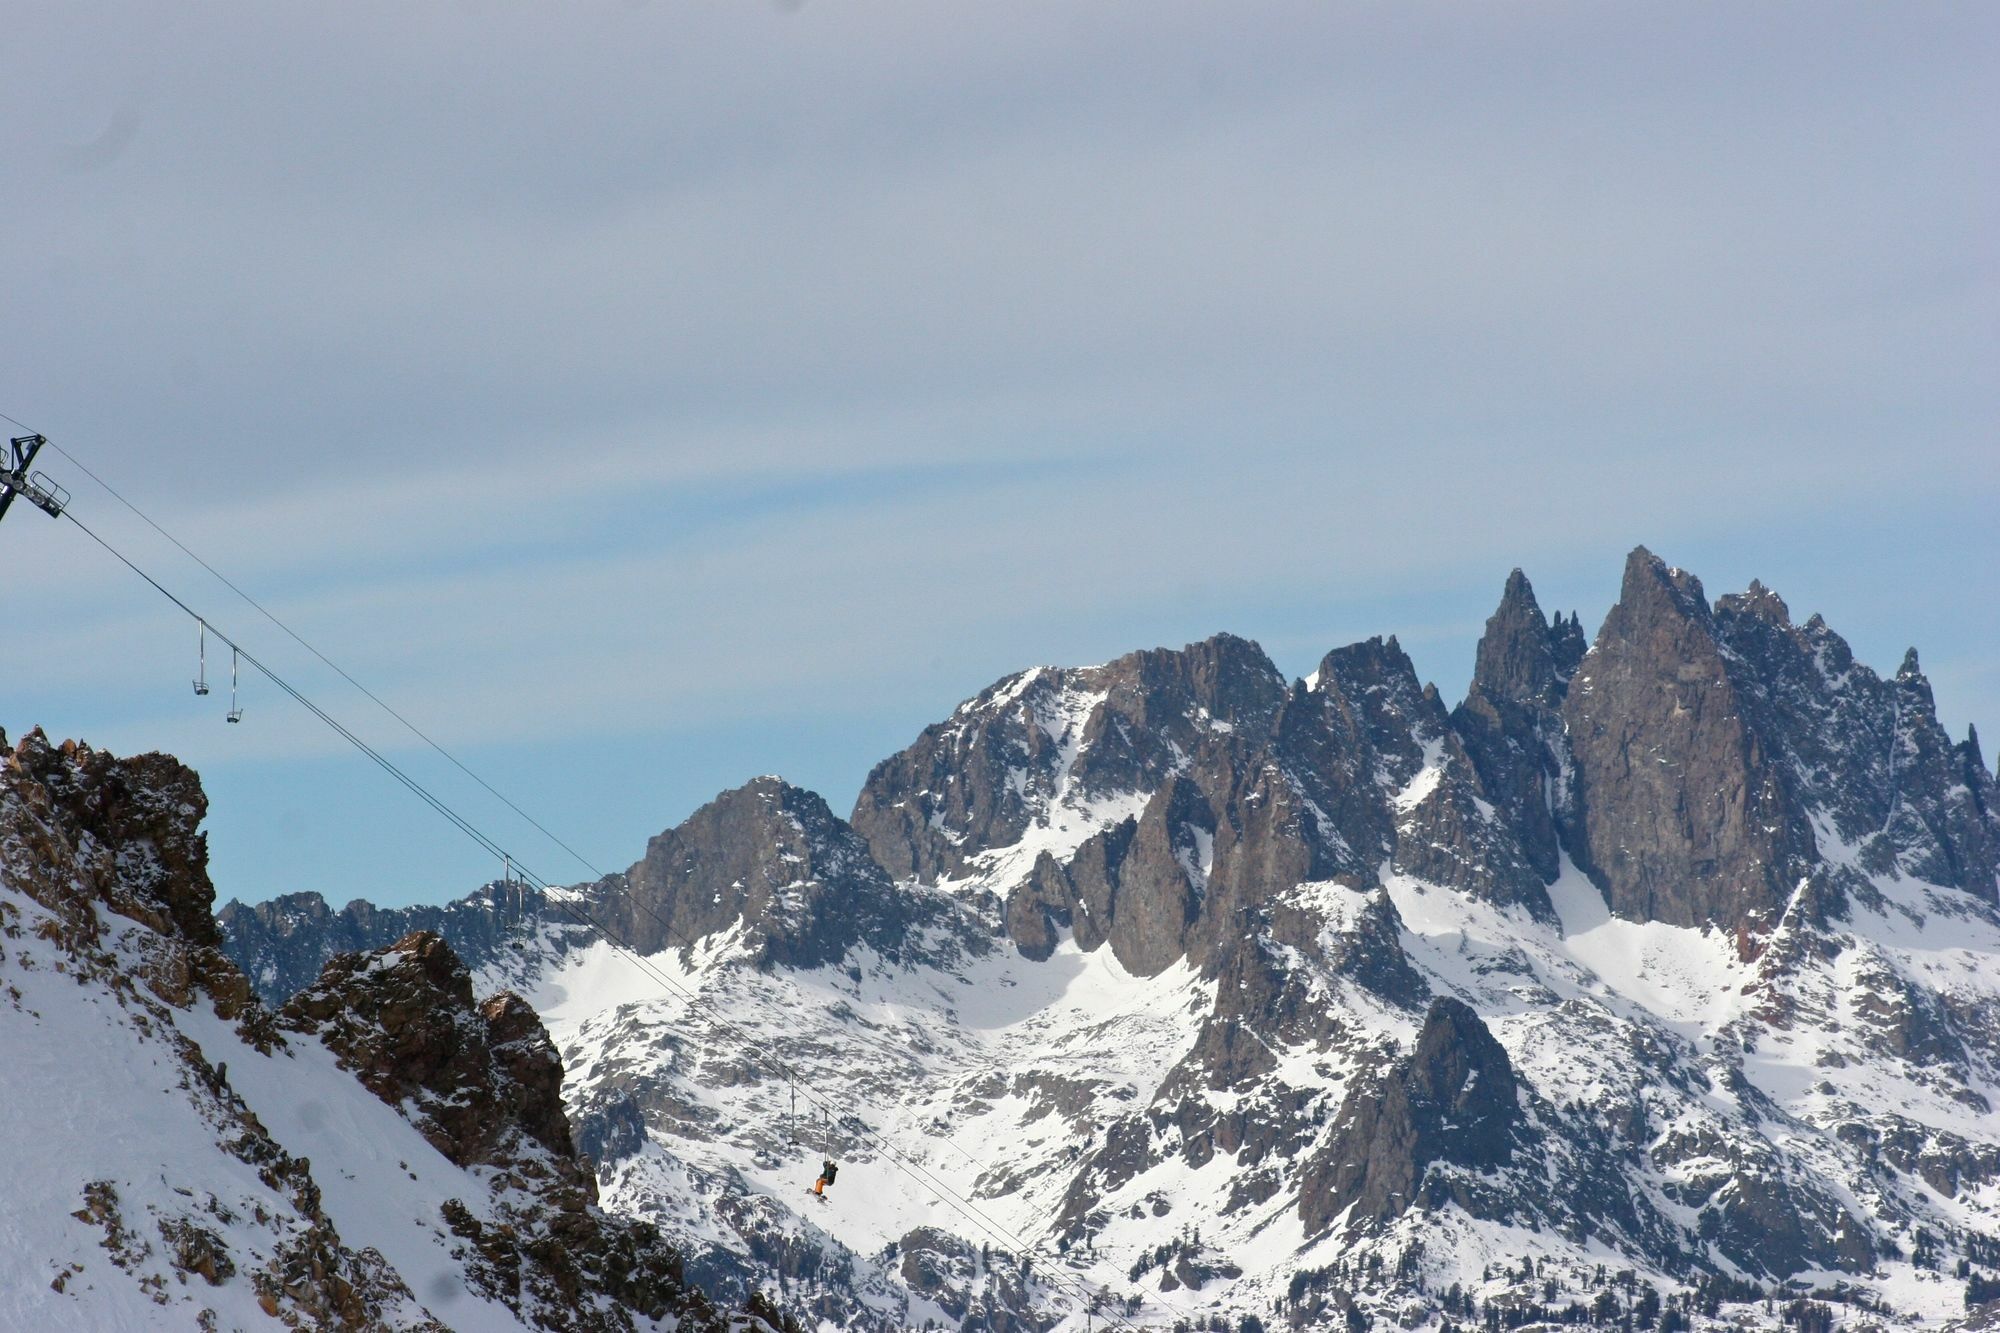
{"x": 271, "y": 616}
{"x": 1054, "y": 1276}
{"x": 381, "y": 703}
{"x": 339, "y": 670}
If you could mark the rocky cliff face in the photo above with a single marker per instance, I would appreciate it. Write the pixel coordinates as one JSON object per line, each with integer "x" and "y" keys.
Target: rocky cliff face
{"x": 768, "y": 859}
{"x": 188, "y": 1159}
{"x": 1236, "y": 997}
{"x": 482, "y": 1083}
{"x": 1148, "y": 804}
{"x": 1714, "y": 750}
{"x": 1684, "y": 811}
{"x": 1511, "y": 720}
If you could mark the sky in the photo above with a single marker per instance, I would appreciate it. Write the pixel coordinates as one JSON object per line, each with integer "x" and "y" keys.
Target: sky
{"x": 642, "y": 397}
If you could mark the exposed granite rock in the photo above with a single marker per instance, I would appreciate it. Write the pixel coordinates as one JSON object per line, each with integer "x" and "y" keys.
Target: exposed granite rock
{"x": 1240, "y": 788}
{"x": 1455, "y": 1100}
{"x": 977, "y": 780}
{"x": 403, "y": 1019}
{"x": 123, "y": 833}
{"x": 133, "y": 831}
{"x": 1684, "y": 811}
{"x": 1511, "y": 719}
{"x": 1443, "y": 824}
{"x": 483, "y": 1083}
{"x": 609, "y": 1129}
{"x": 771, "y": 860}
{"x": 1866, "y": 752}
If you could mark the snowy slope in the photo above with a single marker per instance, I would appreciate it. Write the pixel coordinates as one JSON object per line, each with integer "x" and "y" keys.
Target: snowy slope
{"x": 181, "y": 1157}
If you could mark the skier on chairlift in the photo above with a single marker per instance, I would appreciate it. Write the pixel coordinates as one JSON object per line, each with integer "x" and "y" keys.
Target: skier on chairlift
{"x": 826, "y": 1175}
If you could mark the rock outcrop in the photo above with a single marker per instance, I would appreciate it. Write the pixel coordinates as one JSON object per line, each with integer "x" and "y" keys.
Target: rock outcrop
{"x": 474, "y": 1076}
{"x": 1684, "y": 811}
{"x": 1706, "y": 743}
{"x": 1511, "y": 719}
{"x": 768, "y": 860}
{"x": 1454, "y": 1101}
{"x": 483, "y": 1083}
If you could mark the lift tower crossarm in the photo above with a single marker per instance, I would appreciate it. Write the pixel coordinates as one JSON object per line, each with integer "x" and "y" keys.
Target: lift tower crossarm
{"x": 16, "y": 479}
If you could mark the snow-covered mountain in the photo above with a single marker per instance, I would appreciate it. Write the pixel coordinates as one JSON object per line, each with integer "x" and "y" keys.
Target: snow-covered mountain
{"x": 1655, "y": 985}
{"x": 379, "y": 1152}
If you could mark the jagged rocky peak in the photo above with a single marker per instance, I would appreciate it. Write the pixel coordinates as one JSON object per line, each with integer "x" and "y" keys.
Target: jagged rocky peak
{"x": 1864, "y": 755}
{"x": 1442, "y": 822}
{"x": 771, "y": 860}
{"x": 1453, "y": 1102}
{"x": 1052, "y": 740}
{"x": 1396, "y": 713}
{"x": 1147, "y": 803}
{"x": 1759, "y": 601}
{"x": 92, "y": 828}
{"x": 1511, "y": 722}
{"x": 282, "y": 944}
{"x": 1713, "y": 750}
{"x": 133, "y": 824}
{"x": 1942, "y": 825}
{"x": 1521, "y": 656}
{"x": 1683, "y": 810}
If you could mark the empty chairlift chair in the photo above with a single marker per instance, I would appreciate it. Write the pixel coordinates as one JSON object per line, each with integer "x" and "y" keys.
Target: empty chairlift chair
{"x": 201, "y": 660}
{"x": 235, "y": 714}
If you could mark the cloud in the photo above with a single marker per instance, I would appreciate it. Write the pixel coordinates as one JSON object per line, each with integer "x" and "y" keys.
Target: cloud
{"x": 640, "y": 368}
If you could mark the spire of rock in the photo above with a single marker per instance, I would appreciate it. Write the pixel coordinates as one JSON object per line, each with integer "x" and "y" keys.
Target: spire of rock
{"x": 1510, "y": 723}
{"x": 1684, "y": 813}
{"x": 1567, "y": 645}
{"x": 1516, "y": 658}
{"x": 1453, "y": 1103}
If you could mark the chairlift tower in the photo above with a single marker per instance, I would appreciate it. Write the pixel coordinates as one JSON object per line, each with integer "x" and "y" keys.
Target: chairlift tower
{"x": 17, "y": 477}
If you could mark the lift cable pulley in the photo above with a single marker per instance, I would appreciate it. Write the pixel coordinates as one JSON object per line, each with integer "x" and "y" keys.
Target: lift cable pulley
{"x": 17, "y": 477}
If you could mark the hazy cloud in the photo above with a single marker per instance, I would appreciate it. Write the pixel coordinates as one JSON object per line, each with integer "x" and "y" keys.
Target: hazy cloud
{"x": 615, "y": 374}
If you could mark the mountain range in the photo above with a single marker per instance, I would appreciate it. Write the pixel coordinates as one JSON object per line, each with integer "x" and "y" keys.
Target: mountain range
{"x": 1655, "y": 984}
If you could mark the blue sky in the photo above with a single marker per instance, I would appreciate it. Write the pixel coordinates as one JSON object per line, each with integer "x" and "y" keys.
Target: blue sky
{"x": 645, "y": 397}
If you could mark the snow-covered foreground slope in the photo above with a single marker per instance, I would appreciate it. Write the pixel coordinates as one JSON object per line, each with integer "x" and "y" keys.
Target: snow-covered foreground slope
{"x": 181, "y": 1157}
{"x": 111, "y": 1110}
